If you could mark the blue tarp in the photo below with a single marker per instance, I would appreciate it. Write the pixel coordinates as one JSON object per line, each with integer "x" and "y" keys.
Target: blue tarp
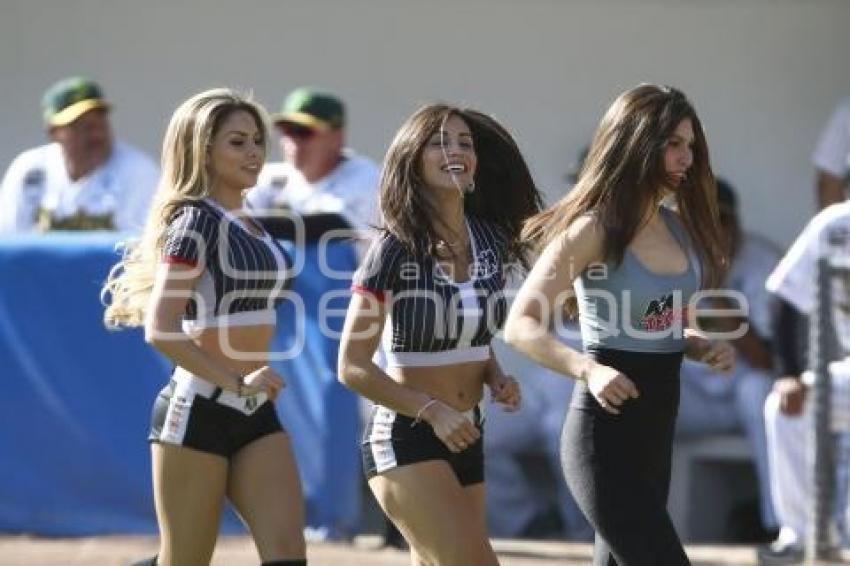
{"x": 76, "y": 398}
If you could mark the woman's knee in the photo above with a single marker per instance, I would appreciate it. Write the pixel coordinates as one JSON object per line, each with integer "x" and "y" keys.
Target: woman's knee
{"x": 466, "y": 551}
{"x": 459, "y": 542}
{"x": 281, "y": 541}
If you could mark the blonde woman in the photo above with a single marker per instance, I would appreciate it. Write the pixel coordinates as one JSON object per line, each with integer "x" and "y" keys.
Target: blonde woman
{"x": 454, "y": 193}
{"x": 204, "y": 281}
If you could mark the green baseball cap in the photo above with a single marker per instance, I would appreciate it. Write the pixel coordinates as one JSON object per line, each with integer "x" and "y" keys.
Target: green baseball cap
{"x": 312, "y": 108}
{"x": 69, "y": 99}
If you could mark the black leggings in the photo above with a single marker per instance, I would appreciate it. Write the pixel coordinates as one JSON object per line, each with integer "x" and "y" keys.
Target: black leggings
{"x": 618, "y": 466}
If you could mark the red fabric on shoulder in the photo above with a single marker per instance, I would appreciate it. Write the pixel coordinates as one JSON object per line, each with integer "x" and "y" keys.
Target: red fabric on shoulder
{"x": 377, "y": 293}
{"x": 178, "y": 259}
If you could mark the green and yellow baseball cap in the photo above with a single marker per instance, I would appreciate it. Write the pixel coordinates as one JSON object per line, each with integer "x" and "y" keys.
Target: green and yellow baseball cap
{"x": 69, "y": 99}
{"x": 312, "y": 108}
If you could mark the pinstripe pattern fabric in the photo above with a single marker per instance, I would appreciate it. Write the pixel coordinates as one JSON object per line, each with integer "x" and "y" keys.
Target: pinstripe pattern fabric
{"x": 428, "y": 309}
{"x": 242, "y": 272}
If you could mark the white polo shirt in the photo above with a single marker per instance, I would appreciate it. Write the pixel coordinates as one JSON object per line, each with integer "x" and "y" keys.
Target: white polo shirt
{"x": 117, "y": 194}
{"x": 350, "y": 190}
{"x": 794, "y": 279}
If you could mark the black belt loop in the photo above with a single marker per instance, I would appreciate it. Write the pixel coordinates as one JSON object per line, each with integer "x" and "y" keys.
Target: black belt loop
{"x": 216, "y": 394}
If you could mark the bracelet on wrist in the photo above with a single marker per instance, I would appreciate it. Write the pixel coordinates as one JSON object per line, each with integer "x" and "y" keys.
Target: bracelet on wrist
{"x": 421, "y": 411}
{"x": 584, "y": 372}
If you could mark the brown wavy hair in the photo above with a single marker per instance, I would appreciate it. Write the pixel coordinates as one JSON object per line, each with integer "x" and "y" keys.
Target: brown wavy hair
{"x": 505, "y": 193}
{"x": 624, "y": 175}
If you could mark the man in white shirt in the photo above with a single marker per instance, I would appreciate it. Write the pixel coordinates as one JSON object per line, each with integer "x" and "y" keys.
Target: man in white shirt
{"x": 832, "y": 157}
{"x": 786, "y": 415}
{"x": 318, "y": 174}
{"x": 83, "y": 180}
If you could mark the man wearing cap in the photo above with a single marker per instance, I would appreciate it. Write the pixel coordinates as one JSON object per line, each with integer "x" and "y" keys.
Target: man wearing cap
{"x": 318, "y": 174}
{"x": 788, "y": 412}
{"x": 82, "y": 180}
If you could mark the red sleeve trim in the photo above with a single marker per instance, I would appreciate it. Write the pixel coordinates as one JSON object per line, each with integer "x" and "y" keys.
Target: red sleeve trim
{"x": 177, "y": 259}
{"x": 377, "y": 293}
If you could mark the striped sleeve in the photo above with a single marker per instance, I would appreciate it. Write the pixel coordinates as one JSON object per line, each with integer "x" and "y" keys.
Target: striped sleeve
{"x": 378, "y": 274}
{"x": 189, "y": 236}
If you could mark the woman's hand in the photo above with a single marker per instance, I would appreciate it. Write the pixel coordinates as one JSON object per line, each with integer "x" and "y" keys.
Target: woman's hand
{"x": 718, "y": 354}
{"x": 504, "y": 389}
{"x": 610, "y": 388}
{"x": 453, "y": 428}
{"x": 265, "y": 380}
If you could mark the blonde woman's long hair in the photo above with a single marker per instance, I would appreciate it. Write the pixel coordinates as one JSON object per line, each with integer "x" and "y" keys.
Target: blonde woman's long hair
{"x": 185, "y": 178}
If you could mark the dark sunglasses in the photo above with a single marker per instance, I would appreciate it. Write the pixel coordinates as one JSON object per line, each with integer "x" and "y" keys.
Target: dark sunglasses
{"x": 296, "y": 131}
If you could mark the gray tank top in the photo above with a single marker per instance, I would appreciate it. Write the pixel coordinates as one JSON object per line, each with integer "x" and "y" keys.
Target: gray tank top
{"x": 632, "y": 308}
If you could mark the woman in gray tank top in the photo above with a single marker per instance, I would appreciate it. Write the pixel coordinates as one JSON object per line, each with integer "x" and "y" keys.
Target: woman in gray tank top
{"x": 628, "y": 265}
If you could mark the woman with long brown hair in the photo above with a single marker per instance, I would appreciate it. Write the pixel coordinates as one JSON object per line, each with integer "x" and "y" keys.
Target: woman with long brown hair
{"x": 204, "y": 281}
{"x": 636, "y": 238}
{"x": 454, "y": 193}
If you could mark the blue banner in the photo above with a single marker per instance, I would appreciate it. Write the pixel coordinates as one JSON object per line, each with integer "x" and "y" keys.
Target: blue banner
{"x": 77, "y": 398}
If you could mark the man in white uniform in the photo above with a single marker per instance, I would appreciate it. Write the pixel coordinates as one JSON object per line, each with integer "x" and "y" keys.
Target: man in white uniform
{"x": 832, "y": 157}
{"x": 83, "y": 180}
{"x": 787, "y": 417}
{"x": 318, "y": 174}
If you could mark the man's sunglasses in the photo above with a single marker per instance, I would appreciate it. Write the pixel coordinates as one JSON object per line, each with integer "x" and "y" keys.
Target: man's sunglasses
{"x": 296, "y": 131}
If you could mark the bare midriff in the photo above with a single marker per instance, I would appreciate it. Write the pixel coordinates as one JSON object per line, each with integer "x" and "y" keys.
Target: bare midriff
{"x": 241, "y": 349}
{"x": 460, "y": 386}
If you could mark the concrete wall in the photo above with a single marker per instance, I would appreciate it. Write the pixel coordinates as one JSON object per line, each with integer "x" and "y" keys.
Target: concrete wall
{"x": 764, "y": 74}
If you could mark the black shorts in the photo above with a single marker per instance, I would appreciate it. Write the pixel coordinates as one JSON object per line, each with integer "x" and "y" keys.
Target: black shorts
{"x": 192, "y": 412}
{"x": 392, "y": 440}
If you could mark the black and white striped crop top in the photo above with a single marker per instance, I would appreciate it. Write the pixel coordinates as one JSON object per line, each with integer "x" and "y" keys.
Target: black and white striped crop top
{"x": 243, "y": 275}
{"x": 435, "y": 320}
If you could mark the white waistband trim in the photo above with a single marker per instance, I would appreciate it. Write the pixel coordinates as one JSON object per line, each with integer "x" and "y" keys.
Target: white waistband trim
{"x": 189, "y": 385}
{"x": 245, "y": 318}
{"x": 444, "y": 358}
{"x": 386, "y": 417}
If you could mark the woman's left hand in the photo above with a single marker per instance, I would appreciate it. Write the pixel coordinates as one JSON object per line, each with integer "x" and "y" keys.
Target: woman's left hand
{"x": 505, "y": 389}
{"x": 719, "y": 355}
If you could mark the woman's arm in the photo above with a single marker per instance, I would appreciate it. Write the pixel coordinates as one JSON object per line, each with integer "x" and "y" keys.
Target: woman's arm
{"x": 361, "y": 335}
{"x": 541, "y": 299}
{"x": 718, "y": 354}
{"x": 174, "y": 284}
{"x": 504, "y": 389}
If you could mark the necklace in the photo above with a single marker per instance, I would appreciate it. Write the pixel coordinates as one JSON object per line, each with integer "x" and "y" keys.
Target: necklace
{"x": 446, "y": 249}
{"x": 452, "y": 245}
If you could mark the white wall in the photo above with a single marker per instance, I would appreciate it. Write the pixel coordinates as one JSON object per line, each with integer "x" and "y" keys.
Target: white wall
{"x": 764, "y": 74}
